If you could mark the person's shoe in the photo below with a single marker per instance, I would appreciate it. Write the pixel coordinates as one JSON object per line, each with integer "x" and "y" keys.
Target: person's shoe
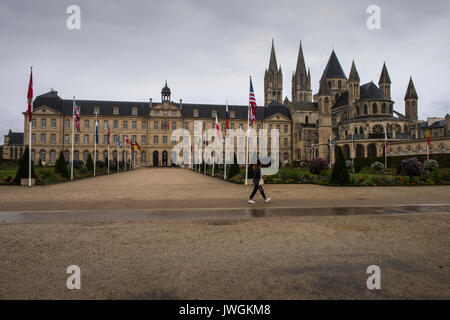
{"x": 251, "y": 201}
{"x": 267, "y": 200}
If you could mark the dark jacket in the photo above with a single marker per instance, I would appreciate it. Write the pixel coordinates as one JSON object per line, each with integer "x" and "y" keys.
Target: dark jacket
{"x": 256, "y": 176}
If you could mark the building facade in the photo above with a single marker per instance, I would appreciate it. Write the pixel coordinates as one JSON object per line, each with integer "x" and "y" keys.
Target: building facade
{"x": 343, "y": 110}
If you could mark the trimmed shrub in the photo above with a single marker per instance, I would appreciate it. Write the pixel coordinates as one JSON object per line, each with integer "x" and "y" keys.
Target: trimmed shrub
{"x": 377, "y": 166}
{"x": 430, "y": 165}
{"x": 234, "y": 169}
{"x": 411, "y": 167}
{"x": 317, "y": 165}
{"x": 89, "y": 163}
{"x": 22, "y": 171}
{"x": 340, "y": 175}
{"x": 61, "y": 167}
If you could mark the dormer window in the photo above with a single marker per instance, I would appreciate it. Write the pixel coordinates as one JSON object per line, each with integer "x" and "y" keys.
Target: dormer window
{"x": 174, "y": 113}
{"x": 97, "y": 110}
{"x": 214, "y": 113}
{"x": 156, "y": 112}
{"x": 195, "y": 113}
{"x": 134, "y": 111}
{"x": 232, "y": 114}
{"x": 116, "y": 110}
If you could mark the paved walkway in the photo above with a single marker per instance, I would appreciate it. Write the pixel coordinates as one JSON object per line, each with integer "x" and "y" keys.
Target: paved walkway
{"x": 169, "y": 188}
{"x": 291, "y": 251}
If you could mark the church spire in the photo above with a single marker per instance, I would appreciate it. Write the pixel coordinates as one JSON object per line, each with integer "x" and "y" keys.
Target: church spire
{"x": 384, "y": 77}
{"x": 354, "y": 76}
{"x": 411, "y": 92}
{"x": 301, "y": 66}
{"x": 273, "y": 66}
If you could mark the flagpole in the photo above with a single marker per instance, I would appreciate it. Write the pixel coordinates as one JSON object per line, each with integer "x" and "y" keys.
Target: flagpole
{"x": 353, "y": 153}
{"x": 246, "y": 143}
{"x": 125, "y": 160}
{"x": 331, "y": 152}
{"x": 224, "y": 146}
{"x": 95, "y": 143}
{"x": 29, "y": 142}
{"x": 108, "y": 158}
{"x": 204, "y": 152}
{"x": 73, "y": 132}
{"x": 117, "y": 158}
{"x": 385, "y": 150}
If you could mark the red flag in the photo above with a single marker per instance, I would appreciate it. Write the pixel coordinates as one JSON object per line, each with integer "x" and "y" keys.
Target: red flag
{"x": 428, "y": 137}
{"x": 30, "y": 95}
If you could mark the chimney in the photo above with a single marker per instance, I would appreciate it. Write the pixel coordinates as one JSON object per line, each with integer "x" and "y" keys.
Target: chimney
{"x": 181, "y": 104}
{"x": 151, "y": 103}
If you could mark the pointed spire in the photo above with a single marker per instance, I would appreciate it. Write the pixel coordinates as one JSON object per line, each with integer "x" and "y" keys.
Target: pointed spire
{"x": 273, "y": 59}
{"x": 333, "y": 68}
{"x": 301, "y": 66}
{"x": 323, "y": 86}
{"x": 354, "y": 76}
{"x": 411, "y": 92}
{"x": 384, "y": 78}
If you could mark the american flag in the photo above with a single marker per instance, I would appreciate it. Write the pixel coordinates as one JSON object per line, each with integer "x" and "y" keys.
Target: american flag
{"x": 77, "y": 116}
{"x": 252, "y": 102}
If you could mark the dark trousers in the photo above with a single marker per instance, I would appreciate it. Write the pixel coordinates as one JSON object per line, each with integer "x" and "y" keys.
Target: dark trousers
{"x": 257, "y": 187}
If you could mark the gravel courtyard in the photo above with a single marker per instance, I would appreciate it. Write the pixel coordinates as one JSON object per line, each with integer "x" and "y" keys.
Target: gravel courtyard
{"x": 305, "y": 257}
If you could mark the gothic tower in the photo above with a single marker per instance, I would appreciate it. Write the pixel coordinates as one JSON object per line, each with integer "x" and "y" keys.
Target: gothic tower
{"x": 335, "y": 76}
{"x": 354, "y": 91}
{"x": 324, "y": 99}
{"x": 385, "y": 82}
{"x": 301, "y": 81}
{"x": 273, "y": 80}
{"x": 411, "y": 101}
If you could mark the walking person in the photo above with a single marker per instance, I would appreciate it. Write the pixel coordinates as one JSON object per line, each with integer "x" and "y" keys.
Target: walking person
{"x": 257, "y": 183}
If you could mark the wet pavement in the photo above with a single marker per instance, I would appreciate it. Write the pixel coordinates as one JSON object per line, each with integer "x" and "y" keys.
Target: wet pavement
{"x": 211, "y": 213}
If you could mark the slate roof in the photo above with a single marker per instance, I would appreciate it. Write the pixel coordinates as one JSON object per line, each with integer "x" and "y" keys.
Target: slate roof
{"x": 333, "y": 68}
{"x": 370, "y": 92}
{"x": 341, "y": 101}
{"x": 354, "y": 76}
{"x": 304, "y": 106}
{"x": 87, "y": 107}
{"x": 15, "y": 138}
{"x": 438, "y": 124}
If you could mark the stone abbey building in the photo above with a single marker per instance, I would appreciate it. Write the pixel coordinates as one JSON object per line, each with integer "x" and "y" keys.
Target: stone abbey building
{"x": 343, "y": 109}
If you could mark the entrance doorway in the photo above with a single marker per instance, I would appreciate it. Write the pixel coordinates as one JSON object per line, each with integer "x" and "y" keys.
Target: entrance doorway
{"x": 155, "y": 158}
{"x": 164, "y": 159}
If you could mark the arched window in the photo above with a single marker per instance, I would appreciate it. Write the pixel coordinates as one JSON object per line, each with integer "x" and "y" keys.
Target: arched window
{"x": 339, "y": 84}
{"x": 11, "y": 152}
{"x": 357, "y": 110}
{"x": 374, "y": 108}
{"x": 365, "y": 109}
{"x": 85, "y": 155}
{"x": 42, "y": 155}
{"x": 356, "y": 130}
{"x": 76, "y": 155}
{"x": 329, "y": 84}
{"x": 52, "y": 156}
{"x": 390, "y": 108}
{"x": 105, "y": 155}
{"x": 361, "y": 130}
{"x": 306, "y": 119}
{"x": 383, "y": 108}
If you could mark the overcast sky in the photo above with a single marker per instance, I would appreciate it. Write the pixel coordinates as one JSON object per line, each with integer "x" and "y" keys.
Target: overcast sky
{"x": 207, "y": 49}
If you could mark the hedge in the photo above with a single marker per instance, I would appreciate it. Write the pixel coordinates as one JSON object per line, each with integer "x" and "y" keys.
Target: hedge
{"x": 393, "y": 162}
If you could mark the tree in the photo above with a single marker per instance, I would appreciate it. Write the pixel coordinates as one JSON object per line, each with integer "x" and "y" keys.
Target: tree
{"x": 234, "y": 168}
{"x": 61, "y": 167}
{"x": 89, "y": 163}
{"x": 340, "y": 175}
{"x": 22, "y": 171}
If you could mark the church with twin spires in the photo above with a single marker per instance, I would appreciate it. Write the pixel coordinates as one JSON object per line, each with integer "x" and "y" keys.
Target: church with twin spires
{"x": 343, "y": 111}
